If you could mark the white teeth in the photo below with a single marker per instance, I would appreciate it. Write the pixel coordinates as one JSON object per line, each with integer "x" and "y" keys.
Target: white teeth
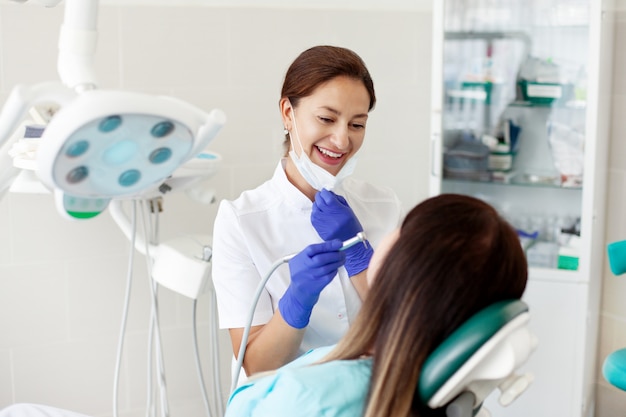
{"x": 329, "y": 153}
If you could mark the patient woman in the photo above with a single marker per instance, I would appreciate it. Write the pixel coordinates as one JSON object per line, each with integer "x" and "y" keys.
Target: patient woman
{"x": 452, "y": 256}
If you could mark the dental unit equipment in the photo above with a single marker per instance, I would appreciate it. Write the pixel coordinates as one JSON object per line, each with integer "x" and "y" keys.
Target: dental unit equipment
{"x": 104, "y": 144}
{"x": 358, "y": 238}
{"x": 614, "y": 366}
{"x": 183, "y": 265}
{"x": 102, "y": 147}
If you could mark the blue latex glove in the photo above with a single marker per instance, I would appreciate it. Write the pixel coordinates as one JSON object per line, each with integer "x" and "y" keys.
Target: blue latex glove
{"x": 333, "y": 218}
{"x": 311, "y": 271}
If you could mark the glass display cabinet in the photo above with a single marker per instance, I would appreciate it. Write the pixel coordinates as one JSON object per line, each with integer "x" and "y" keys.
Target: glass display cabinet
{"x": 520, "y": 111}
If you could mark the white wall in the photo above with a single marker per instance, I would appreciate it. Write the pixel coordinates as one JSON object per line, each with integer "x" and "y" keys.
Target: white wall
{"x": 62, "y": 283}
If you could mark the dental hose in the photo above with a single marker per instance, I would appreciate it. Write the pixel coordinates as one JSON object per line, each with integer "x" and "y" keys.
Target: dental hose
{"x": 120, "y": 346}
{"x": 246, "y": 331}
{"x": 217, "y": 390}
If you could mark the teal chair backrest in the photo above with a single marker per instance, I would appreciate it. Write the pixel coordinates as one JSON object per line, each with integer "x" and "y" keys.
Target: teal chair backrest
{"x": 458, "y": 348}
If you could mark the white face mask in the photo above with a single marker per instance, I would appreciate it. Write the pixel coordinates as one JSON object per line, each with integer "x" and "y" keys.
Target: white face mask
{"x": 316, "y": 176}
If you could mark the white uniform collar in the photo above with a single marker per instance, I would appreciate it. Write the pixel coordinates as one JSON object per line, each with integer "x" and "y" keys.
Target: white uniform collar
{"x": 293, "y": 196}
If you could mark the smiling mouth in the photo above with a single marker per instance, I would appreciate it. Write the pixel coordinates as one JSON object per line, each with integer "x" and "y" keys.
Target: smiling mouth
{"x": 328, "y": 153}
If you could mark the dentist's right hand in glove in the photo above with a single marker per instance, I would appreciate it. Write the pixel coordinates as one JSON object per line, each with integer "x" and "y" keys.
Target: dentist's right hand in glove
{"x": 311, "y": 271}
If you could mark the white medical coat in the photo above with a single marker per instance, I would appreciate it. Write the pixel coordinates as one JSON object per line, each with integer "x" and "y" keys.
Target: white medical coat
{"x": 273, "y": 220}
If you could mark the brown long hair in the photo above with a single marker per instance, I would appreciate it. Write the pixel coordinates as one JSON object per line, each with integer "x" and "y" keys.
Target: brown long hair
{"x": 454, "y": 256}
{"x": 318, "y": 65}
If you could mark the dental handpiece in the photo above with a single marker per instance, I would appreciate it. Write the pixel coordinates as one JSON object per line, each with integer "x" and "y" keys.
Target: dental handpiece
{"x": 359, "y": 237}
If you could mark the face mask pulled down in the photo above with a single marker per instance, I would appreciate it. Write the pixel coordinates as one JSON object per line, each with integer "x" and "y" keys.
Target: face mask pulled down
{"x": 316, "y": 176}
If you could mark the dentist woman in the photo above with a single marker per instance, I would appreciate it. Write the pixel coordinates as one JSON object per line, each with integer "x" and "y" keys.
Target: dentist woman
{"x": 310, "y": 202}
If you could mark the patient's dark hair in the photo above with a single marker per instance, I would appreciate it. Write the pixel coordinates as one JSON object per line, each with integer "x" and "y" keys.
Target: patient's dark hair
{"x": 454, "y": 256}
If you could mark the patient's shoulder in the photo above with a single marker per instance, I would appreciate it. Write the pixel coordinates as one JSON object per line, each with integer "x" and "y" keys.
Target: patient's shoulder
{"x": 336, "y": 388}
{"x": 306, "y": 389}
{"x": 311, "y": 356}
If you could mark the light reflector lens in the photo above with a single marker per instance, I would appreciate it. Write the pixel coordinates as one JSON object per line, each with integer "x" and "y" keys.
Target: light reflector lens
{"x": 129, "y": 178}
{"x": 160, "y": 155}
{"x": 160, "y": 130}
{"x": 110, "y": 124}
{"x": 119, "y": 153}
{"x": 77, "y": 174}
{"x": 77, "y": 148}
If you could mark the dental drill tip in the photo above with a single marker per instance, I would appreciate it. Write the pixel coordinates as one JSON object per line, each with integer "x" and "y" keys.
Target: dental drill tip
{"x": 363, "y": 238}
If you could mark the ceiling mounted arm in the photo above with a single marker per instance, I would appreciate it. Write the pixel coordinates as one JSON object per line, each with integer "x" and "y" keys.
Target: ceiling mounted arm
{"x": 77, "y": 44}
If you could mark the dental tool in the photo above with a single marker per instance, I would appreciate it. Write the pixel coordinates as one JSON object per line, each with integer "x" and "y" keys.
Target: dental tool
{"x": 359, "y": 237}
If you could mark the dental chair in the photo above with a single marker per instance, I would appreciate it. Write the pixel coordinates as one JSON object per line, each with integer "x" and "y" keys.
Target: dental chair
{"x": 614, "y": 366}
{"x": 480, "y": 356}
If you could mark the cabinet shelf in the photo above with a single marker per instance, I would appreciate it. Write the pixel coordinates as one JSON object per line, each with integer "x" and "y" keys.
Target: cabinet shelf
{"x": 573, "y": 104}
{"x": 520, "y": 180}
{"x": 554, "y": 275}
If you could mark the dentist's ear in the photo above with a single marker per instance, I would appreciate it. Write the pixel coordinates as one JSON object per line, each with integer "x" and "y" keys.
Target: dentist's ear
{"x": 286, "y": 112}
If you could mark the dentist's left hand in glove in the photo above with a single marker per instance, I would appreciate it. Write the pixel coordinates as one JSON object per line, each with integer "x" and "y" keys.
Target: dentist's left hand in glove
{"x": 311, "y": 271}
{"x": 333, "y": 218}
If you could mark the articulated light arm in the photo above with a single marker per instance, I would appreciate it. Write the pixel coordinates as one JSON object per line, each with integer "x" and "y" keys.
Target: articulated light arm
{"x": 77, "y": 44}
{"x": 20, "y": 100}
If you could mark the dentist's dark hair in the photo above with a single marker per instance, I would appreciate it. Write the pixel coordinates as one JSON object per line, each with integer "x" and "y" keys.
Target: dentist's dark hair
{"x": 454, "y": 256}
{"x": 318, "y": 65}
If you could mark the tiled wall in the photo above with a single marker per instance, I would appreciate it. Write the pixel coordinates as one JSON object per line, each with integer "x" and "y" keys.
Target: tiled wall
{"x": 62, "y": 283}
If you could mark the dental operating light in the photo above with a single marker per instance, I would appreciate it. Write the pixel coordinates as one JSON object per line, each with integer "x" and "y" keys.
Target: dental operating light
{"x": 104, "y": 144}
{"x": 108, "y": 144}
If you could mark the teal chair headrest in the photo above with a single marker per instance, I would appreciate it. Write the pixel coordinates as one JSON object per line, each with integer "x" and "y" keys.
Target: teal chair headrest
{"x": 457, "y": 348}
